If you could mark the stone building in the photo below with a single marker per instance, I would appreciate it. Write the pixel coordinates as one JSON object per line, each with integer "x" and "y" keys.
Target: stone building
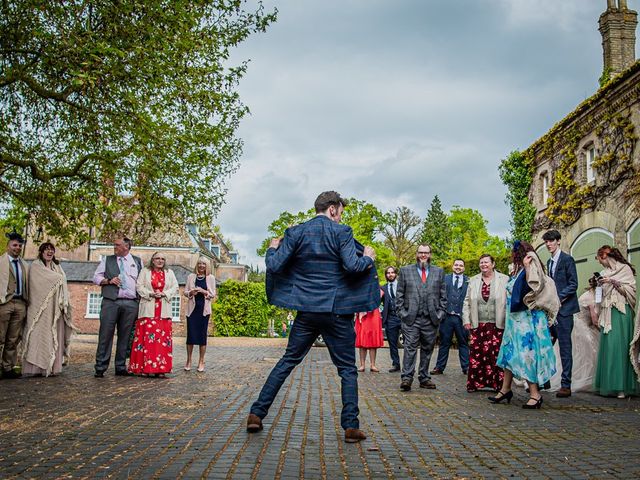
{"x": 587, "y": 167}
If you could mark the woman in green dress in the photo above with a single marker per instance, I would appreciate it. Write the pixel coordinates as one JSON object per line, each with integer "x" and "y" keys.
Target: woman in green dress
{"x": 614, "y": 371}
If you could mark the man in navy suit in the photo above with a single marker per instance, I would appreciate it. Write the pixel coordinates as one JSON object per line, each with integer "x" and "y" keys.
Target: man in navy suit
{"x": 317, "y": 270}
{"x": 390, "y": 320}
{"x": 456, "y": 284}
{"x": 562, "y": 268}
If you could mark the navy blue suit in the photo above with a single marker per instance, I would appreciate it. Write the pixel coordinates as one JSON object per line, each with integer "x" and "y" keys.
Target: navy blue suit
{"x": 565, "y": 277}
{"x": 453, "y": 324}
{"x": 391, "y": 324}
{"x": 319, "y": 270}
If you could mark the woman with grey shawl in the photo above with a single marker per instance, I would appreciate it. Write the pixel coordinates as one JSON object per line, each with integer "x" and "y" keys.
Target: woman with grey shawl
{"x": 47, "y": 331}
{"x": 615, "y": 370}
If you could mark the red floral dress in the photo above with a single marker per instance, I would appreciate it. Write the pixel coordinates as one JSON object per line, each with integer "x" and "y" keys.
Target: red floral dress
{"x": 151, "y": 352}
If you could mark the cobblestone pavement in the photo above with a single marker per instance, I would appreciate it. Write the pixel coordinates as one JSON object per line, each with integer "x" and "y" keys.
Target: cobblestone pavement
{"x": 192, "y": 425}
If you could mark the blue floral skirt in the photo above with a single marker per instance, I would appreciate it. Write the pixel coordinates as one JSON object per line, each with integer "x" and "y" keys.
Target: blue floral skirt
{"x": 526, "y": 348}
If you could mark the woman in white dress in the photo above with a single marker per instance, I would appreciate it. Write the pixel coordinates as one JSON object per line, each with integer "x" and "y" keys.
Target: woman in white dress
{"x": 585, "y": 339}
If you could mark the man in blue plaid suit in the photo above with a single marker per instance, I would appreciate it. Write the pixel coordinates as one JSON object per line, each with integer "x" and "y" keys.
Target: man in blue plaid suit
{"x": 319, "y": 270}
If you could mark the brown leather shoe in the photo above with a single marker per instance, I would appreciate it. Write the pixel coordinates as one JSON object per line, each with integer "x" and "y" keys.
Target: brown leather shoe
{"x": 436, "y": 371}
{"x": 354, "y": 435}
{"x": 428, "y": 384}
{"x": 405, "y": 385}
{"x": 254, "y": 423}
{"x": 564, "y": 392}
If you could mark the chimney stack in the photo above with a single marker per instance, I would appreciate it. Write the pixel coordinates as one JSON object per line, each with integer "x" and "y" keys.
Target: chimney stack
{"x": 618, "y": 28}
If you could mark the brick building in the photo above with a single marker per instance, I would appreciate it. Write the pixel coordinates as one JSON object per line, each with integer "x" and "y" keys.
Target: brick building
{"x": 587, "y": 167}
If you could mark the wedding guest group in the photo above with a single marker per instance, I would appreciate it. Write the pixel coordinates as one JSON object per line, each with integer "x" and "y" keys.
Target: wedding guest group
{"x": 456, "y": 285}
{"x": 334, "y": 277}
{"x": 14, "y": 296}
{"x": 201, "y": 291}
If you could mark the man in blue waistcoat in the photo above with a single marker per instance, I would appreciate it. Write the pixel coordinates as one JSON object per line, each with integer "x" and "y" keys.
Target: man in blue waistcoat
{"x": 319, "y": 270}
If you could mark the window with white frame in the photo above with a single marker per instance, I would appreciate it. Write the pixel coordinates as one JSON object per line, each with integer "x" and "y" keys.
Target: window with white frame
{"x": 544, "y": 182}
{"x": 591, "y": 157}
{"x": 94, "y": 300}
{"x": 175, "y": 308}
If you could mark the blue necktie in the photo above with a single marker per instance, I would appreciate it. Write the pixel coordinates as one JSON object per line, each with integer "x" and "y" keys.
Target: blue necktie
{"x": 18, "y": 279}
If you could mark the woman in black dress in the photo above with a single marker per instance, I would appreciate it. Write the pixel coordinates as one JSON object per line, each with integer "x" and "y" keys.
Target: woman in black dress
{"x": 200, "y": 290}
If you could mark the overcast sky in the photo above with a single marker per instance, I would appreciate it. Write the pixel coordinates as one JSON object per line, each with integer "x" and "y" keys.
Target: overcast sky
{"x": 395, "y": 101}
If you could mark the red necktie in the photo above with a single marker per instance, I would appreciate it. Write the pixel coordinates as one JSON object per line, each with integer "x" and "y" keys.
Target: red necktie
{"x": 424, "y": 275}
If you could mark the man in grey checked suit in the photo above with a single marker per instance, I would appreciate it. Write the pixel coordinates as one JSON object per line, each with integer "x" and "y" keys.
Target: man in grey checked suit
{"x": 319, "y": 270}
{"x": 421, "y": 303}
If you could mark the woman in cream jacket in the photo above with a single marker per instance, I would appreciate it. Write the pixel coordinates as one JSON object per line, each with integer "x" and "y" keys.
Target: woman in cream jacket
{"x": 483, "y": 315}
{"x": 152, "y": 349}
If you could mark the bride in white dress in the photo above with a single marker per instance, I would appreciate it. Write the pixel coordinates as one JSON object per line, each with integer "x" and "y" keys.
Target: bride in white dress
{"x": 585, "y": 339}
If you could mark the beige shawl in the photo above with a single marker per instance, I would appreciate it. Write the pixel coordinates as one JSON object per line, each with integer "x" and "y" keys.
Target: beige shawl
{"x": 634, "y": 350}
{"x": 543, "y": 294}
{"x": 622, "y": 275}
{"x": 49, "y": 304}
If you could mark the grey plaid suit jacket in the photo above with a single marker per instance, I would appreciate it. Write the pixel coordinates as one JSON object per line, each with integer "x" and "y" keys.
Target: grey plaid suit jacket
{"x": 408, "y": 298}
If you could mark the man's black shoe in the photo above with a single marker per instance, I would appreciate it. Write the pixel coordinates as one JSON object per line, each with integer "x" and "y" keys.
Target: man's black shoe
{"x": 98, "y": 374}
{"x": 10, "y": 374}
{"x": 405, "y": 385}
{"x": 123, "y": 373}
{"x": 394, "y": 369}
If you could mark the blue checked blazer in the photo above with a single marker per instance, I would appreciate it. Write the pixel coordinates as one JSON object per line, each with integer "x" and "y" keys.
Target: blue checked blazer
{"x": 319, "y": 267}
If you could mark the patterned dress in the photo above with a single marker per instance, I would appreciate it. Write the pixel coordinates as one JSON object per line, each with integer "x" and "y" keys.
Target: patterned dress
{"x": 526, "y": 348}
{"x": 484, "y": 344}
{"x": 152, "y": 348}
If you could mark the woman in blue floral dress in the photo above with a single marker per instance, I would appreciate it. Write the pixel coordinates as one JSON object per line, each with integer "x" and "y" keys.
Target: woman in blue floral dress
{"x": 526, "y": 351}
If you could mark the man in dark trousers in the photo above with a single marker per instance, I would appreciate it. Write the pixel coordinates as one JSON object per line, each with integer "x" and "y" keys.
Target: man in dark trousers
{"x": 456, "y": 284}
{"x": 562, "y": 268}
{"x": 117, "y": 275}
{"x": 390, "y": 320}
{"x": 421, "y": 303}
{"x": 317, "y": 270}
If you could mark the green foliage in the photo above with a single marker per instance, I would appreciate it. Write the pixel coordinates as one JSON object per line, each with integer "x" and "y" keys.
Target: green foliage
{"x": 113, "y": 111}
{"x": 516, "y": 172}
{"x": 242, "y": 310}
{"x": 605, "y": 78}
{"x": 364, "y": 218}
{"x": 436, "y": 232}
{"x": 13, "y": 217}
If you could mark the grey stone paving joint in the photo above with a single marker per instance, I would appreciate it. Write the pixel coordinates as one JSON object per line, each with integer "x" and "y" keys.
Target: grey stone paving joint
{"x": 191, "y": 425}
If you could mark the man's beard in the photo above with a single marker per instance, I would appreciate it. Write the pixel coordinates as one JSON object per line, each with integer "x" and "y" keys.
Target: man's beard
{"x": 423, "y": 263}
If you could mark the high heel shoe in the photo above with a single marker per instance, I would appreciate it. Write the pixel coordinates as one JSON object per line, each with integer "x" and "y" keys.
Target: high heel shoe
{"x": 499, "y": 397}
{"x": 536, "y": 405}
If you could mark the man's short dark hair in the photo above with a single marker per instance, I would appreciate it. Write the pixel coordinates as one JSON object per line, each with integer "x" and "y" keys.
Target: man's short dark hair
{"x": 328, "y": 199}
{"x": 14, "y": 236}
{"x": 551, "y": 235}
{"x": 391, "y": 267}
{"x": 460, "y": 260}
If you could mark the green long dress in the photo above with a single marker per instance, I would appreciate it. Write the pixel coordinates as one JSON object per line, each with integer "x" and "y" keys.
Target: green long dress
{"x": 614, "y": 373}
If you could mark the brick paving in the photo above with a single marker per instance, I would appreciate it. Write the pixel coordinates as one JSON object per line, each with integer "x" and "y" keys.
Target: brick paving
{"x": 191, "y": 425}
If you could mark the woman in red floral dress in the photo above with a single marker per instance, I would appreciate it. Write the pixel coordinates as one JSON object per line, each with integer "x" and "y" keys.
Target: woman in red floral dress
{"x": 151, "y": 352}
{"x": 369, "y": 336}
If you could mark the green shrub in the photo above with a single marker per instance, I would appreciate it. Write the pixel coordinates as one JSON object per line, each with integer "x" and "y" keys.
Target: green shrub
{"x": 242, "y": 310}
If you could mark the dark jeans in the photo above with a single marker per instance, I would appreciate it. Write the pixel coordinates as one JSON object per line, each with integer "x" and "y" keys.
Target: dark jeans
{"x": 340, "y": 337}
{"x": 115, "y": 314}
{"x": 562, "y": 332}
{"x": 393, "y": 334}
{"x": 450, "y": 325}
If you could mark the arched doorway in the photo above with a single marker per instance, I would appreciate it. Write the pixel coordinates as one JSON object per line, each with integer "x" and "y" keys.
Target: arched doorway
{"x": 544, "y": 254}
{"x": 584, "y": 251}
{"x": 633, "y": 253}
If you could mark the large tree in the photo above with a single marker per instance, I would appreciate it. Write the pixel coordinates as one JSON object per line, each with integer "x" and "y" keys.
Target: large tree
{"x": 117, "y": 110}
{"x": 401, "y": 234}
